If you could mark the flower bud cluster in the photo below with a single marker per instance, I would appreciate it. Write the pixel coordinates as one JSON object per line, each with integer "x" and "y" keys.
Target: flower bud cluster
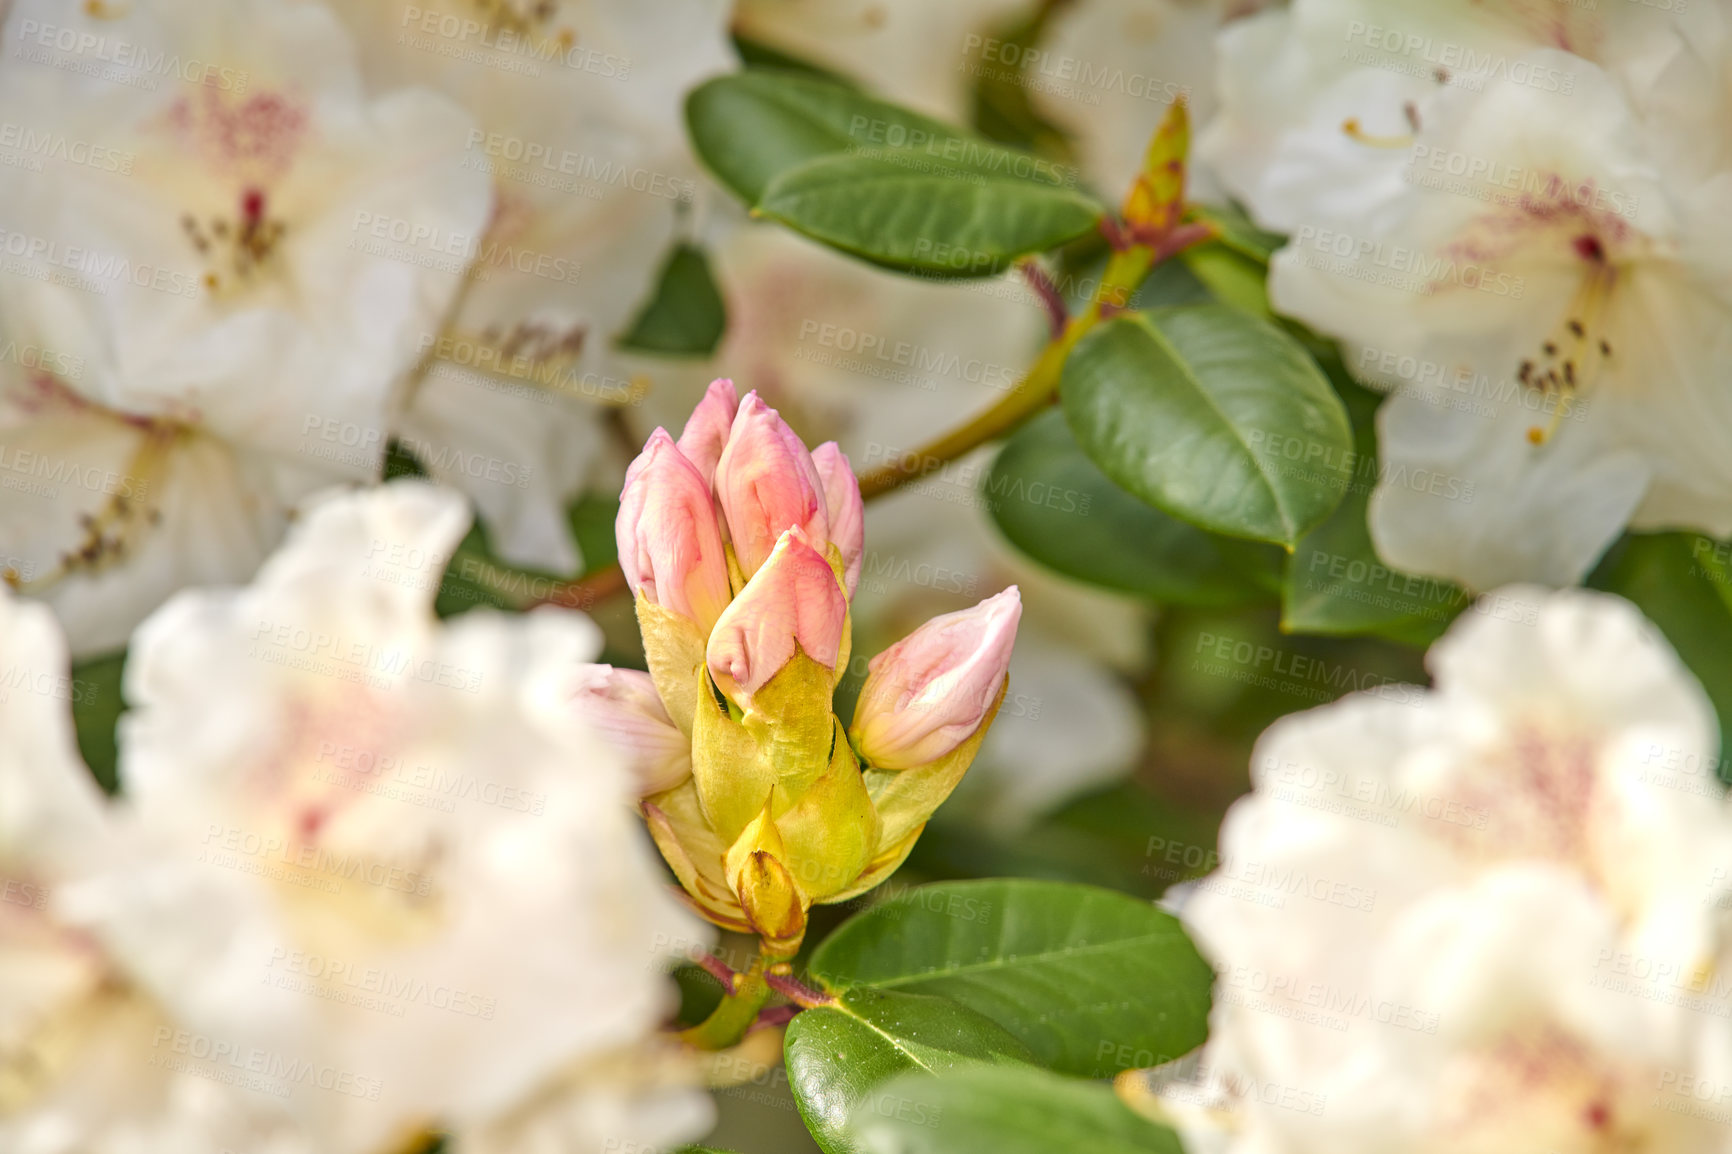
{"x": 743, "y": 551}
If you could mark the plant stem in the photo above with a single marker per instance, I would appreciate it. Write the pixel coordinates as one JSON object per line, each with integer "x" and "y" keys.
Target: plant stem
{"x": 587, "y": 590}
{"x": 738, "y": 1010}
{"x": 1032, "y": 393}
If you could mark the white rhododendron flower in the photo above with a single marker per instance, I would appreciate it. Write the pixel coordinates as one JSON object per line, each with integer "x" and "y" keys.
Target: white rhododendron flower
{"x": 88, "y": 1063}
{"x": 1487, "y": 916}
{"x": 200, "y": 336}
{"x": 922, "y": 55}
{"x": 1498, "y": 217}
{"x": 1109, "y": 70}
{"x": 578, "y": 108}
{"x": 387, "y": 848}
{"x": 1317, "y": 101}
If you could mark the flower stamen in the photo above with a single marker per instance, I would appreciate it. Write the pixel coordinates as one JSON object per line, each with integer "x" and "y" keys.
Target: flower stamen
{"x": 240, "y": 250}
{"x": 112, "y": 534}
{"x": 1355, "y": 131}
{"x": 1572, "y": 356}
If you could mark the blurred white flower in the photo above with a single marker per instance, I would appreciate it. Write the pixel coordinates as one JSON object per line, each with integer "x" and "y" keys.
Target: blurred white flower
{"x": 1489, "y": 916}
{"x": 198, "y": 328}
{"x": 1318, "y": 102}
{"x": 913, "y": 52}
{"x": 1506, "y": 235}
{"x": 580, "y": 125}
{"x": 1109, "y": 69}
{"x": 88, "y": 1064}
{"x": 386, "y": 848}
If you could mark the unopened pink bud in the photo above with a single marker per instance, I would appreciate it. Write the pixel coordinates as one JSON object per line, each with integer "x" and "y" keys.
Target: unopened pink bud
{"x": 623, "y": 706}
{"x": 930, "y": 692}
{"x": 706, "y": 431}
{"x": 793, "y": 601}
{"x": 670, "y": 544}
{"x": 767, "y": 484}
{"x": 844, "y": 508}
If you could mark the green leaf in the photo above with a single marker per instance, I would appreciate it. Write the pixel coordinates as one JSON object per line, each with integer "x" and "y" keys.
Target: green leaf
{"x": 906, "y": 210}
{"x": 836, "y": 1056}
{"x": 1232, "y": 278}
{"x": 878, "y": 181}
{"x": 1170, "y": 283}
{"x": 1336, "y": 583}
{"x": 685, "y": 316}
{"x": 1219, "y": 418}
{"x": 757, "y": 55}
{"x": 1052, "y": 502}
{"x": 1683, "y": 583}
{"x": 96, "y": 708}
{"x": 1234, "y": 230}
{"x": 592, "y": 518}
{"x": 750, "y": 126}
{"x": 1004, "y": 1111}
{"x": 1091, "y": 981}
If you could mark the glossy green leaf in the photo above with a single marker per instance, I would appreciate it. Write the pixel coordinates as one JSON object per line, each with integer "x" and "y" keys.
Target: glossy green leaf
{"x": 750, "y": 126}
{"x": 1052, "y": 502}
{"x": 96, "y": 708}
{"x": 1683, "y": 582}
{"x": 836, "y": 1056}
{"x": 685, "y": 315}
{"x": 1091, "y": 981}
{"x": 906, "y": 210}
{"x": 1214, "y": 416}
{"x": 1004, "y": 1111}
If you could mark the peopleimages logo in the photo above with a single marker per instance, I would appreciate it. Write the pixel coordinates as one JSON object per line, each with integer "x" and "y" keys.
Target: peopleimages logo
{"x": 1459, "y": 63}
{"x": 43, "y": 257}
{"x": 126, "y": 55}
{"x": 561, "y": 49}
{"x": 1398, "y": 266}
{"x": 1074, "y": 70}
{"x": 1500, "y": 182}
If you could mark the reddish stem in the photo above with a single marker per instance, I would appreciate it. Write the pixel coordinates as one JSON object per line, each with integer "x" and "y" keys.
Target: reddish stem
{"x": 775, "y": 1016}
{"x": 719, "y": 970}
{"x": 1048, "y": 293}
{"x": 797, "y": 991}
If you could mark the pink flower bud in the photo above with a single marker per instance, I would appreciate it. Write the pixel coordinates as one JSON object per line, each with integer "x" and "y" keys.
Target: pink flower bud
{"x": 930, "y": 692}
{"x": 793, "y": 601}
{"x": 844, "y": 508}
{"x": 706, "y": 430}
{"x": 623, "y": 706}
{"x": 670, "y": 544}
{"x": 767, "y": 484}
